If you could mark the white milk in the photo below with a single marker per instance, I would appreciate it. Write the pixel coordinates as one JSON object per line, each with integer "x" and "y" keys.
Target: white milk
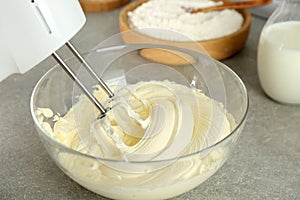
{"x": 279, "y": 61}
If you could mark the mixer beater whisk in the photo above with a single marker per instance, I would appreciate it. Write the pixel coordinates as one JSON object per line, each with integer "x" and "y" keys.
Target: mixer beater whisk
{"x": 90, "y": 70}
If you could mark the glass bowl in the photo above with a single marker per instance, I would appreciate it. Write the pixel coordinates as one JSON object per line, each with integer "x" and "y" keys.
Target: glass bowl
{"x": 56, "y": 91}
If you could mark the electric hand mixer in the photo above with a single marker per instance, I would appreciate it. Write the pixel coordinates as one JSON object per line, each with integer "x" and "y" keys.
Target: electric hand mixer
{"x": 32, "y": 30}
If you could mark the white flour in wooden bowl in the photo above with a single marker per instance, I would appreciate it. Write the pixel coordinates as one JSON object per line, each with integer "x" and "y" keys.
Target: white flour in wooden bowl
{"x": 172, "y": 15}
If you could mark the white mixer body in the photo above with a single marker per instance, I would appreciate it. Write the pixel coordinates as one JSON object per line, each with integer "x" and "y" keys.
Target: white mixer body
{"x": 31, "y": 30}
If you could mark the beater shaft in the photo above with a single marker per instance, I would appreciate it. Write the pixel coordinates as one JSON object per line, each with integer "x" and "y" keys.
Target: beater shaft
{"x": 74, "y": 77}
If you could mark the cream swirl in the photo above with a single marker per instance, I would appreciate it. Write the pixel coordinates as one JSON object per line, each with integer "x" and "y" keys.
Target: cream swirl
{"x": 183, "y": 120}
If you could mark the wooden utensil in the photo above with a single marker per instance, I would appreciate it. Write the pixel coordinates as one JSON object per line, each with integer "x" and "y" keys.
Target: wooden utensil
{"x": 231, "y": 5}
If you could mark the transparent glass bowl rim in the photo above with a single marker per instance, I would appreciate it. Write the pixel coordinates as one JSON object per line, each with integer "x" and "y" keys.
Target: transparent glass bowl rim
{"x": 70, "y": 150}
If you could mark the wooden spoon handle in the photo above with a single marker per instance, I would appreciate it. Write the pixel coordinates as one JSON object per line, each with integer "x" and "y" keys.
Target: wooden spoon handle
{"x": 233, "y": 5}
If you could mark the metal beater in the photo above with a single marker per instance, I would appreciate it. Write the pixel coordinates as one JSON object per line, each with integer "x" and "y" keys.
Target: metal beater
{"x": 90, "y": 70}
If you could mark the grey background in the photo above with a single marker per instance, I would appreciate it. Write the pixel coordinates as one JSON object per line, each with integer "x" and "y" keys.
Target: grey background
{"x": 264, "y": 165}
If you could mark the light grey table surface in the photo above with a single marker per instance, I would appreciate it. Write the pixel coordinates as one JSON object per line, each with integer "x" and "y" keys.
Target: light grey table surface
{"x": 265, "y": 163}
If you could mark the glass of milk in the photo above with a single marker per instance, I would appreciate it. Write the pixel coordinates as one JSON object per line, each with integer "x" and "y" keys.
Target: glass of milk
{"x": 279, "y": 54}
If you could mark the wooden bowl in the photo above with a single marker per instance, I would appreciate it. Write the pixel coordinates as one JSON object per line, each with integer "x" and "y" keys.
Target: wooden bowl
{"x": 219, "y": 48}
{"x": 101, "y": 5}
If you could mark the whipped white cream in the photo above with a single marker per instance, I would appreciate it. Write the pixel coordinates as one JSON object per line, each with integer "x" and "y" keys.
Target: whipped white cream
{"x": 180, "y": 121}
{"x": 172, "y": 15}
